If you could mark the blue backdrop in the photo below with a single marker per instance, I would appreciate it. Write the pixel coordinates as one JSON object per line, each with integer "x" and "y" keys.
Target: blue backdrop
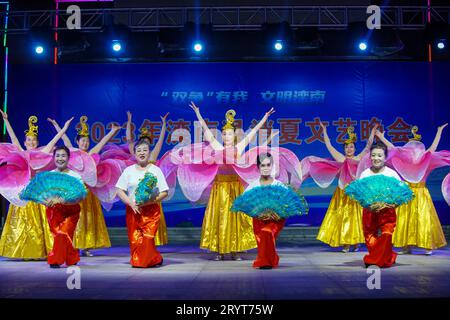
{"x": 396, "y": 94}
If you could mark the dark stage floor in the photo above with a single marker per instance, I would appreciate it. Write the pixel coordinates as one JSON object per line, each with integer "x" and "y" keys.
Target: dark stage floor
{"x": 310, "y": 271}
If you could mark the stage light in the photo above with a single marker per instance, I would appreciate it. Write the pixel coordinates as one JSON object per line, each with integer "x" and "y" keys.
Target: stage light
{"x": 362, "y": 46}
{"x": 116, "y": 46}
{"x": 278, "y": 45}
{"x": 198, "y": 47}
{"x": 39, "y": 49}
{"x": 441, "y": 45}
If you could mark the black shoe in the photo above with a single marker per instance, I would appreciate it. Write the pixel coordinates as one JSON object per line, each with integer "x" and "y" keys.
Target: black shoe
{"x": 159, "y": 264}
{"x": 55, "y": 266}
{"x": 265, "y": 267}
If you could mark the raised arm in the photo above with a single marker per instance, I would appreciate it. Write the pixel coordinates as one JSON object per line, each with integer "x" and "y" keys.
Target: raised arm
{"x": 49, "y": 147}
{"x": 339, "y": 157}
{"x": 130, "y": 140}
{"x": 99, "y": 146}
{"x": 157, "y": 149}
{"x": 208, "y": 134}
{"x": 369, "y": 143}
{"x": 10, "y": 130}
{"x": 380, "y": 135}
{"x": 65, "y": 138}
{"x": 269, "y": 139}
{"x": 437, "y": 138}
{"x": 249, "y": 137}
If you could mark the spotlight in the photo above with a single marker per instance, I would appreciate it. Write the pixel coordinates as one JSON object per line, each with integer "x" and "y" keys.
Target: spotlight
{"x": 441, "y": 44}
{"x": 198, "y": 47}
{"x": 39, "y": 49}
{"x": 116, "y": 46}
{"x": 362, "y": 46}
{"x": 278, "y": 45}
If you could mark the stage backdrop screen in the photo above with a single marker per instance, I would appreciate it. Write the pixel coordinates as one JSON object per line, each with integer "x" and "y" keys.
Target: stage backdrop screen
{"x": 396, "y": 94}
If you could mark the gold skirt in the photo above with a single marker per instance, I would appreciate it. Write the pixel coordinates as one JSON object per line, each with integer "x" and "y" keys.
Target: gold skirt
{"x": 224, "y": 231}
{"x": 417, "y": 221}
{"x": 342, "y": 224}
{"x": 91, "y": 231}
{"x": 26, "y": 233}
{"x": 161, "y": 235}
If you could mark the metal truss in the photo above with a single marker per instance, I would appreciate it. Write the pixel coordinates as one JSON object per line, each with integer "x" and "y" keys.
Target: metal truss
{"x": 226, "y": 18}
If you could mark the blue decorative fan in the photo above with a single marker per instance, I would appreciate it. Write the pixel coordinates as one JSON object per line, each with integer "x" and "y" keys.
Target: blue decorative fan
{"x": 54, "y": 187}
{"x": 379, "y": 189}
{"x": 272, "y": 200}
{"x": 145, "y": 188}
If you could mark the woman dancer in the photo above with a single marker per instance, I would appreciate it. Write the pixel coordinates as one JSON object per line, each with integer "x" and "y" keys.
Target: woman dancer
{"x": 63, "y": 218}
{"x": 267, "y": 230}
{"x": 341, "y": 225}
{"x": 26, "y": 234}
{"x": 222, "y": 231}
{"x": 91, "y": 231}
{"x": 161, "y": 235}
{"x": 379, "y": 247}
{"x": 142, "y": 220}
{"x": 417, "y": 221}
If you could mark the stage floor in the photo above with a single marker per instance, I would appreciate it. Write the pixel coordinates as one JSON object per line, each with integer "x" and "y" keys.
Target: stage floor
{"x": 309, "y": 271}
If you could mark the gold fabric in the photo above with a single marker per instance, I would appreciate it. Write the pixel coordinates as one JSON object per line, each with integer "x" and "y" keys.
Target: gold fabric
{"x": 224, "y": 231}
{"x": 91, "y": 231}
{"x": 417, "y": 221}
{"x": 26, "y": 233}
{"x": 161, "y": 234}
{"x": 342, "y": 224}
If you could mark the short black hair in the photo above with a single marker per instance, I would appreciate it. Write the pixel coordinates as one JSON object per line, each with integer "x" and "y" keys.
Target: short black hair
{"x": 263, "y": 156}
{"x": 79, "y": 136}
{"x": 141, "y": 142}
{"x": 61, "y": 148}
{"x": 380, "y": 145}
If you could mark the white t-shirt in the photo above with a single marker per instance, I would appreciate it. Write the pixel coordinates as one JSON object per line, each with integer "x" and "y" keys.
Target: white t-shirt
{"x": 386, "y": 172}
{"x": 257, "y": 183}
{"x": 130, "y": 177}
{"x": 70, "y": 173}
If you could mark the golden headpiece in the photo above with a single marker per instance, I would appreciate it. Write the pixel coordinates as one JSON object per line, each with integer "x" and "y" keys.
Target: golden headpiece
{"x": 84, "y": 128}
{"x": 144, "y": 133}
{"x": 32, "y": 129}
{"x": 351, "y": 135}
{"x": 229, "y": 117}
{"x": 416, "y": 136}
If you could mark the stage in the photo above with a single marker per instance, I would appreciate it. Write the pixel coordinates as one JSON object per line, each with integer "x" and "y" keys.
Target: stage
{"x": 308, "y": 271}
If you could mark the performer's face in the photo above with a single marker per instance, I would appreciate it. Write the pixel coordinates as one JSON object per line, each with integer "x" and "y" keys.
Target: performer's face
{"x": 31, "y": 143}
{"x": 61, "y": 159}
{"x": 83, "y": 143}
{"x": 265, "y": 167}
{"x": 378, "y": 158}
{"x": 142, "y": 154}
{"x": 349, "y": 149}
{"x": 228, "y": 137}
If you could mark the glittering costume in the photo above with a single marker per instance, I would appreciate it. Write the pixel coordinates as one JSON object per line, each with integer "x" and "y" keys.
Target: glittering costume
{"x": 218, "y": 177}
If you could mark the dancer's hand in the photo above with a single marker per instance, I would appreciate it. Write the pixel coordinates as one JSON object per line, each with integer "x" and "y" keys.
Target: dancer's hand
{"x": 67, "y": 124}
{"x": 115, "y": 127}
{"x": 164, "y": 118}
{"x": 324, "y": 129}
{"x": 440, "y": 128}
{"x": 129, "y": 116}
{"x": 52, "y": 121}
{"x": 135, "y": 208}
{"x": 268, "y": 114}
{"x": 4, "y": 115}
{"x": 194, "y": 107}
{"x": 379, "y": 134}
